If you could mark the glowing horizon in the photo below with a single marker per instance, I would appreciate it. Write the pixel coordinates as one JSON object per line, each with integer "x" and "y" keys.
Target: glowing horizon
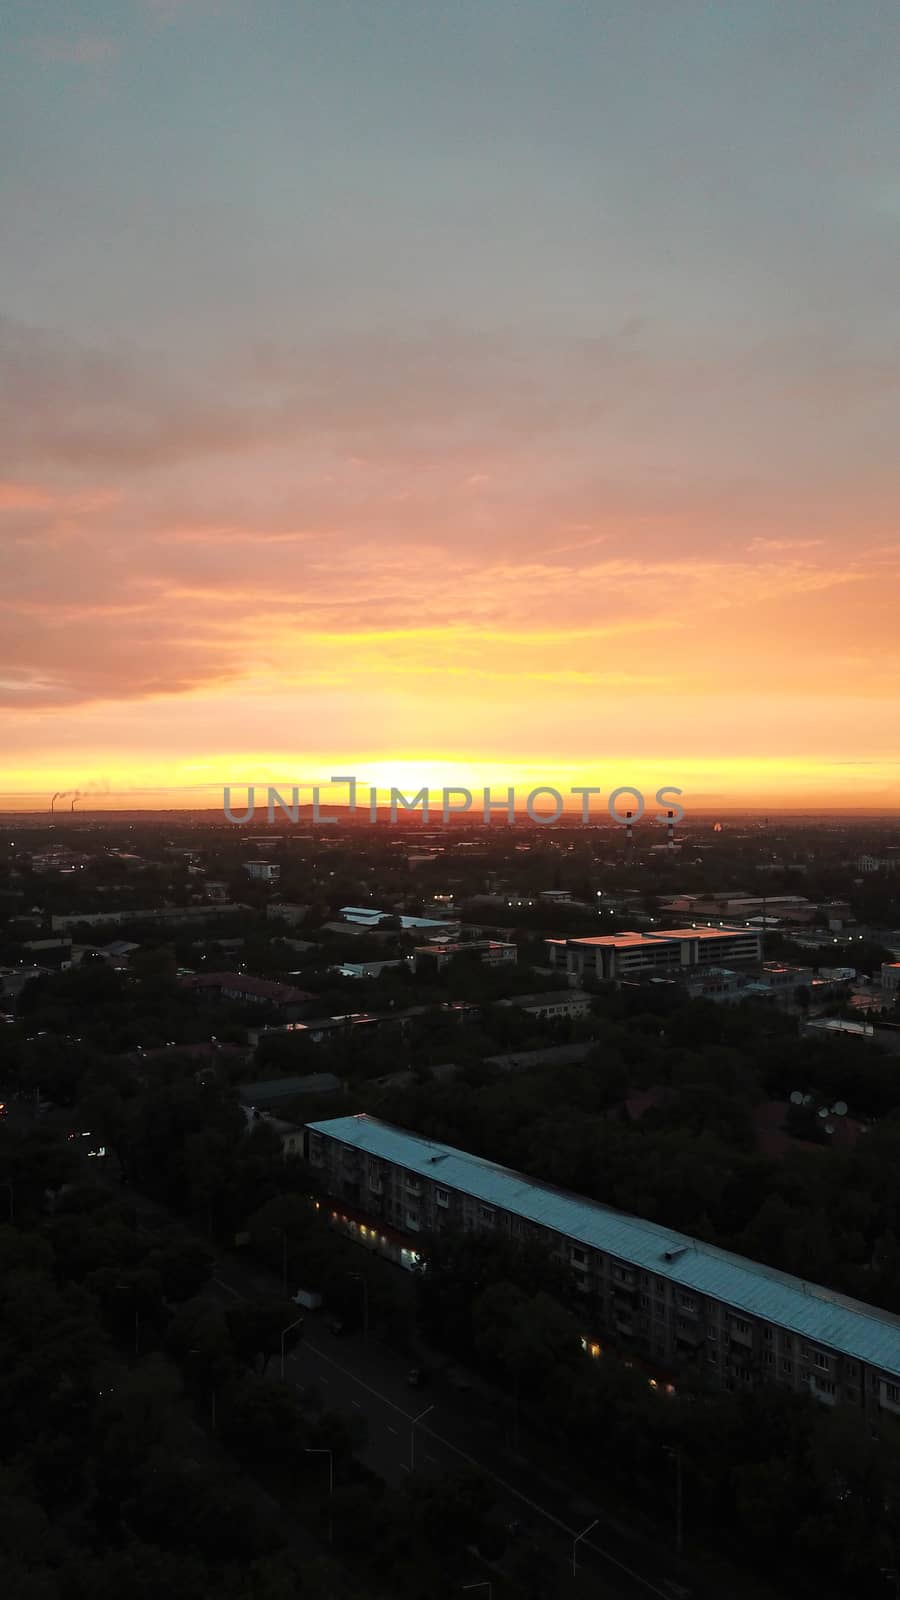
{"x": 497, "y": 394}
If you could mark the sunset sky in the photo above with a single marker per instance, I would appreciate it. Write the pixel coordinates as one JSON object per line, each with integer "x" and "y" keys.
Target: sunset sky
{"x": 491, "y": 387}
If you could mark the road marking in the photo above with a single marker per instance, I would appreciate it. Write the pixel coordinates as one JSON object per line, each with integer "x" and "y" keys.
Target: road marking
{"x": 432, "y": 1458}
{"x": 508, "y": 1488}
{"x": 390, "y": 1429}
{"x": 356, "y": 1404}
{"x": 403, "y": 1467}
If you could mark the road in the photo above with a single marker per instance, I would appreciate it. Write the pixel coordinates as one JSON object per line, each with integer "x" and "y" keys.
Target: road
{"x": 355, "y": 1374}
{"x": 359, "y": 1375}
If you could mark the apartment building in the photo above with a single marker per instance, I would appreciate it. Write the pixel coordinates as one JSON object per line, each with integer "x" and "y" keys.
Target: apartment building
{"x": 168, "y": 916}
{"x": 263, "y": 871}
{"x": 556, "y": 1004}
{"x": 660, "y": 1295}
{"x": 247, "y": 990}
{"x": 490, "y": 952}
{"x": 620, "y": 957}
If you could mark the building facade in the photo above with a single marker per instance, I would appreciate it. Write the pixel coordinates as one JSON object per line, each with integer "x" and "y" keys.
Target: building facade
{"x": 620, "y": 957}
{"x": 671, "y": 1300}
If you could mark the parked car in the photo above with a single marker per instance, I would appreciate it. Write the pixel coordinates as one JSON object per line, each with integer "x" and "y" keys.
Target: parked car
{"x": 308, "y": 1299}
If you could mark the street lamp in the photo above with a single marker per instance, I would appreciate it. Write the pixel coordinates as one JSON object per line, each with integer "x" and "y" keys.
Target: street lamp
{"x": 412, "y": 1436}
{"x": 576, "y": 1542}
{"x": 330, "y": 1454}
{"x": 365, "y": 1291}
{"x": 289, "y": 1329}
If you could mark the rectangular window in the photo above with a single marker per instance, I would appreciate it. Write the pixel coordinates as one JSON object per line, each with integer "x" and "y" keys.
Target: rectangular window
{"x": 769, "y": 1359}
{"x": 579, "y": 1256}
{"x": 768, "y": 1335}
{"x": 687, "y": 1302}
{"x": 787, "y": 1366}
{"x": 442, "y": 1196}
{"x": 645, "y": 1302}
{"x": 821, "y": 1360}
{"x": 892, "y": 1390}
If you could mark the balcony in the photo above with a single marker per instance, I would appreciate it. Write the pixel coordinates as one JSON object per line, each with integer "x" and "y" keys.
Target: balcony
{"x": 412, "y": 1187}
{"x": 741, "y": 1336}
{"x": 889, "y": 1397}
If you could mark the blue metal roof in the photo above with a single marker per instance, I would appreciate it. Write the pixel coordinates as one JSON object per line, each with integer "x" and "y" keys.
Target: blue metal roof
{"x": 864, "y": 1333}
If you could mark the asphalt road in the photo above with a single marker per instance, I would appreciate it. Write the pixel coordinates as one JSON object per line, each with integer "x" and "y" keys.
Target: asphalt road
{"x": 435, "y": 1429}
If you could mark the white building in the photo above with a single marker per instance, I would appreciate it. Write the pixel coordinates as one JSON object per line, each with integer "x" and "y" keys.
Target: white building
{"x": 263, "y": 871}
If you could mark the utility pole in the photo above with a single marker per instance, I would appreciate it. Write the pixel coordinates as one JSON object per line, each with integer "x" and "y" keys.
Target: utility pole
{"x": 412, "y": 1437}
{"x": 576, "y": 1542}
{"x": 287, "y": 1330}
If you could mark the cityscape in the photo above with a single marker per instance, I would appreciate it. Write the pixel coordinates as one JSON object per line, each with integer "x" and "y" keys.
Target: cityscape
{"x": 449, "y": 800}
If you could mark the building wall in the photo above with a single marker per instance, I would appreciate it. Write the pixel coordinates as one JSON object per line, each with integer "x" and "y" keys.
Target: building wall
{"x": 649, "y": 1316}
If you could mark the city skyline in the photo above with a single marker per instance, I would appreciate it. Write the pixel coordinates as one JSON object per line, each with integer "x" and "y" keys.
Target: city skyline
{"x": 500, "y": 391}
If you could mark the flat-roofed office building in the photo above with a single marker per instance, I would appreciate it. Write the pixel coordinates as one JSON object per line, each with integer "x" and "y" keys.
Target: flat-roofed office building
{"x": 618, "y": 957}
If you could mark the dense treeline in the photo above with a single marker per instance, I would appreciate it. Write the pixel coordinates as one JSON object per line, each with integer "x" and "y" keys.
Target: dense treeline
{"x": 786, "y": 1486}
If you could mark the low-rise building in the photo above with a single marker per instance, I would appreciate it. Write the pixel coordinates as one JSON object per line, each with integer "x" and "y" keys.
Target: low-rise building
{"x": 622, "y": 956}
{"x": 240, "y": 986}
{"x": 490, "y": 952}
{"x": 286, "y": 911}
{"x": 555, "y": 1004}
{"x": 890, "y": 982}
{"x": 263, "y": 871}
{"x": 674, "y": 1300}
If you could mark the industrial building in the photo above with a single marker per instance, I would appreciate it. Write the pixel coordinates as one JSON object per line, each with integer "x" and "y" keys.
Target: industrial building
{"x": 670, "y": 1299}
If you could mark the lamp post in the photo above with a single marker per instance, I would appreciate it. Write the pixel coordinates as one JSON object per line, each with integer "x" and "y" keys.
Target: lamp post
{"x": 289, "y": 1329}
{"x": 330, "y": 1455}
{"x": 365, "y": 1293}
{"x": 412, "y": 1437}
{"x": 576, "y": 1542}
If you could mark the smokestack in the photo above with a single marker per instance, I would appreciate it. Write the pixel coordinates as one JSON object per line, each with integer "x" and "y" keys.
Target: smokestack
{"x": 629, "y": 837}
{"x": 72, "y": 807}
{"x": 53, "y": 801}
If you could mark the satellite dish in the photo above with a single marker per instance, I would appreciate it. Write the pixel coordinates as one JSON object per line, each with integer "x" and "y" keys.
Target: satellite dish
{"x": 796, "y": 1098}
{"x": 840, "y": 1108}
{"x": 829, "y": 1127}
